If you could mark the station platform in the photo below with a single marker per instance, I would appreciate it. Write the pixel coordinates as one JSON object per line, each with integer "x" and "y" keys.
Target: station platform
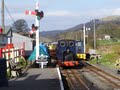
{"x": 37, "y": 79}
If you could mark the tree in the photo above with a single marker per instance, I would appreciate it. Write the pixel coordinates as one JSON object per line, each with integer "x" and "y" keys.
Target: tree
{"x": 21, "y": 26}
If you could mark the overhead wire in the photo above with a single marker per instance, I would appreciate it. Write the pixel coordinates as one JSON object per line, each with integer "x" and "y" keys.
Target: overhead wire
{"x": 9, "y": 13}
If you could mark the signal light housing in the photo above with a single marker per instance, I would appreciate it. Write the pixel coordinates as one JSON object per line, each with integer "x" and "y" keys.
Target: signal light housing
{"x": 40, "y": 15}
{"x": 33, "y": 30}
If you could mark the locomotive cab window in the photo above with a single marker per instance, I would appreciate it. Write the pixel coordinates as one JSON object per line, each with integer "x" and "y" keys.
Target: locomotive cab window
{"x": 78, "y": 44}
{"x": 62, "y": 44}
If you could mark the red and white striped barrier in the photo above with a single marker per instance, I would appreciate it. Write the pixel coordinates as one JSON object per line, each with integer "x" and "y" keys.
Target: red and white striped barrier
{"x": 12, "y": 54}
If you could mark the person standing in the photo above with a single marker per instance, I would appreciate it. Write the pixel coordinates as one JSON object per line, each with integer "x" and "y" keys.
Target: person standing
{"x": 68, "y": 55}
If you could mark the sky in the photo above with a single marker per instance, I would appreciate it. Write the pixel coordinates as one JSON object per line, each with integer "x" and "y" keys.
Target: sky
{"x": 60, "y": 14}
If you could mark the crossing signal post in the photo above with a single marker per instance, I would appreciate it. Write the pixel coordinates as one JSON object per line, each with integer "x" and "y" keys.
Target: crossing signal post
{"x": 39, "y": 16}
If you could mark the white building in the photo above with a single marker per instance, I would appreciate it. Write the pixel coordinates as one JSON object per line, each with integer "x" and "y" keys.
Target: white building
{"x": 20, "y": 41}
{"x": 28, "y": 43}
{"x": 107, "y": 37}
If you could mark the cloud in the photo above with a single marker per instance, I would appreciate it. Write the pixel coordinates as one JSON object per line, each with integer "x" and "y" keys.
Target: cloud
{"x": 63, "y": 19}
{"x": 114, "y": 1}
{"x": 116, "y": 11}
{"x": 96, "y": 13}
{"x": 61, "y": 13}
{"x": 17, "y": 16}
{"x": 28, "y": 18}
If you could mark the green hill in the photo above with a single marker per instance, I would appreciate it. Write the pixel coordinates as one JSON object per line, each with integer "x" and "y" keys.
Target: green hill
{"x": 111, "y": 18}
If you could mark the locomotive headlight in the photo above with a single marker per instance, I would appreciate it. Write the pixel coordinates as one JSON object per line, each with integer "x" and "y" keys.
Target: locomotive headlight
{"x": 71, "y": 43}
{"x": 62, "y": 44}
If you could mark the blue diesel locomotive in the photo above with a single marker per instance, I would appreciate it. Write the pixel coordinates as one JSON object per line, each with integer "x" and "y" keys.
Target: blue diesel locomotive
{"x": 69, "y": 52}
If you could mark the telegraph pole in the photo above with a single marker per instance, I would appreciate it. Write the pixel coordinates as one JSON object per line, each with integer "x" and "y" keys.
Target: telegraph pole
{"x": 94, "y": 34}
{"x": 2, "y": 13}
{"x": 84, "y": 37}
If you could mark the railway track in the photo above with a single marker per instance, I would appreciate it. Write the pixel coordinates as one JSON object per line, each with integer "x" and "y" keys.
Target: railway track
{"x": 75, "y": 80}
{"x": 104, "y": 76}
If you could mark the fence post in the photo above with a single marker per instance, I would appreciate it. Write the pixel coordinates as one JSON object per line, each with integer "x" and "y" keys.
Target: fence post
{"x": 7, "y": 57}
{"x": 12, "y": 54}
{"x": 17, "y": 53}
{"x": 0, "y": 52}
{"x": 23, "y": 49}
{"x": 3, "y": 53}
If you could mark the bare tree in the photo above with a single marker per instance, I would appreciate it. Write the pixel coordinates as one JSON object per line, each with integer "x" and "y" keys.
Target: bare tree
{"x": 21, "y": 26}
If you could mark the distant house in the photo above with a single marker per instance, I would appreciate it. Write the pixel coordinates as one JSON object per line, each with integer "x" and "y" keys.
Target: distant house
{"x": 107, "y": 37}
{"x": 104, "y": 37}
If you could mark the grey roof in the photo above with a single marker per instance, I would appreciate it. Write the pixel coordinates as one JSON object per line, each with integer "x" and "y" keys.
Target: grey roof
{"x": 21, "y": 36}
{"x": 53, "y": 43}
{"x": 7, "y": 28}
{"x": 7, "y": 31}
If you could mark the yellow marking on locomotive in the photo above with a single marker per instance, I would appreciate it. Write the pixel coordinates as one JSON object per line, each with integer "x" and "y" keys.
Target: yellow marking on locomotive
{"x": 81, "y": 56}
{"x": 52, "y": 47}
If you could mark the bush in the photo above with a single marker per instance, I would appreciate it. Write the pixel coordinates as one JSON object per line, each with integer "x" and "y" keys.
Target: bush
{"x": 22, "y": 61}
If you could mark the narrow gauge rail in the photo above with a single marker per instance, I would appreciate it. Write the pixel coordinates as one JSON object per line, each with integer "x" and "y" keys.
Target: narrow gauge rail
{"x": 74, "y": 79}
{"x": 104, "y": 76}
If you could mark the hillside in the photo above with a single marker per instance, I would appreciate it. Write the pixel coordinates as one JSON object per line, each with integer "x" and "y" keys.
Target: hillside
{"x": 108, "y": 25}
{"x": 77, "y": 28}
{"x": 51, "y": 33}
